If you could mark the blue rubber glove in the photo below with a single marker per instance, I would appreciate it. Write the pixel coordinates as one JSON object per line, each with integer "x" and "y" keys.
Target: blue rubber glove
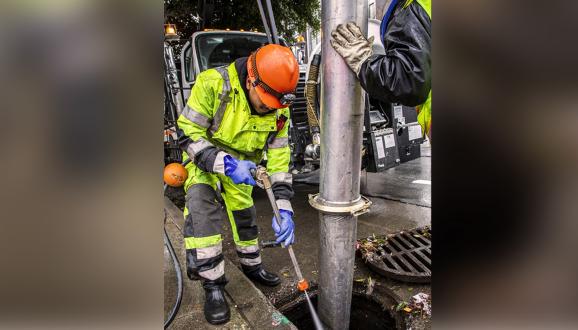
{"x": 239, "y": 170}
{"x": 284, "y": 233}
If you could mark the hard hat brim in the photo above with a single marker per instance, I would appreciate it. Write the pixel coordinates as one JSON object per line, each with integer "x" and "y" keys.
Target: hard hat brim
{"x": 268, "y": 99}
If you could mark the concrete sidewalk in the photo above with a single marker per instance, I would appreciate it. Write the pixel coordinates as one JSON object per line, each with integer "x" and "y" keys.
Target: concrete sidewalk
{"x": 250, "y": 309}
{"x": 387, "y": 216}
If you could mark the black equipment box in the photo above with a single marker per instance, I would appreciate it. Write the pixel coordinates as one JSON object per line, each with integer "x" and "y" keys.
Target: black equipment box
{"x": 408, "y": 132}
{"x": 382, "y": 150}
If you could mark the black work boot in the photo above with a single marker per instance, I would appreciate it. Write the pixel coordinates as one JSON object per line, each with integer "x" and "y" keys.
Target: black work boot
{"x": 216, "y": 307}
{"x": 259, "y": 274}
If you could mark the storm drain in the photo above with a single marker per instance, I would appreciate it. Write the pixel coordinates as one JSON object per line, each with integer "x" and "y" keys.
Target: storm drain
{"x": 404, "y": 256}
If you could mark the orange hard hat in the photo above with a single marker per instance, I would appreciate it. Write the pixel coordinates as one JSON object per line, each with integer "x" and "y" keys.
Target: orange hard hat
{"x": 274, "y": 72}
{"x": 175, "y": 174}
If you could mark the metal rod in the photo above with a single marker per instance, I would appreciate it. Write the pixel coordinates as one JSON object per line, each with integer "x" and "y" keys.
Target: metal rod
{"x": 316, "y": 320}
{"x": 341, "y": 140}
{"x": 261, "y": 174}
{"x": 272, "y": 21}
{"x": 277, "y": 219}
{"x": 264, "y": 19}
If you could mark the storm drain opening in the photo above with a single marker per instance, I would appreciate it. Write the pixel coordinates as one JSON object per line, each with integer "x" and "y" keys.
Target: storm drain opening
{"x": 403, "y": 256}
{"x": 368, "y": 311}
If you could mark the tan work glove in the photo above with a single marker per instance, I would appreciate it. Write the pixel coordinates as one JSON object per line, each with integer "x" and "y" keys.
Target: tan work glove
{"x": 349, "y": 42}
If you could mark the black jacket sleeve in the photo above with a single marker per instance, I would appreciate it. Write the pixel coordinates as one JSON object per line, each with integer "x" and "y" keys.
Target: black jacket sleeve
{"x": 204, "y": 159}
{"x": 403, "y": 74}
{"x": 282, "y": 190}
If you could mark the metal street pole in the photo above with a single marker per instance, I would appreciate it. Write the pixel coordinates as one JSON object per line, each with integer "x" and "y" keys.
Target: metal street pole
{"x": 339, "y": 201}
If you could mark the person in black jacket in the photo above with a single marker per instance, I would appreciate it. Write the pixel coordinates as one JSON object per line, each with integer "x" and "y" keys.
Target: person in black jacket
{"x": 403, "y": 74}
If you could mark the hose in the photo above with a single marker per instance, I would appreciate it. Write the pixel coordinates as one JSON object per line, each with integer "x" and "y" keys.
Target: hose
{"x": 311, "y": 94}
{"x": 177, "y": 266}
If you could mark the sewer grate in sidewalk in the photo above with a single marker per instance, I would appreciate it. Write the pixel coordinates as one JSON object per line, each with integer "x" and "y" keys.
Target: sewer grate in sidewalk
{"x": 403, "y": 256}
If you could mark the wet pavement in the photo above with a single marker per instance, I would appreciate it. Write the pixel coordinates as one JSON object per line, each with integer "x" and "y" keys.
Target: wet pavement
{"x": 250, "y": 309}
{"x": 387, "y": 216}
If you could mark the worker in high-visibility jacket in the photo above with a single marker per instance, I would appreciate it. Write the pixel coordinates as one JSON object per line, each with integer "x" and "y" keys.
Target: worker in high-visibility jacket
{"x": 236, "y": 116}
{"x": 403, "y": 74}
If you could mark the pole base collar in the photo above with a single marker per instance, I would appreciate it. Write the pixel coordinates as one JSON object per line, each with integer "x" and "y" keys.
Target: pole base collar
{"x": 355, "y": 208}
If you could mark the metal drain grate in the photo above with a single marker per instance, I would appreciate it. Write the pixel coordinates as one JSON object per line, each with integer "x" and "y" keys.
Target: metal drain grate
{"x": 404, "y": 256}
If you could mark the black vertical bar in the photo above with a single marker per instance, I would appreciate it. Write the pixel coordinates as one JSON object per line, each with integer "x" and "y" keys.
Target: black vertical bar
{"x": 272, "y": 21}
{"x": 264, "y": 19}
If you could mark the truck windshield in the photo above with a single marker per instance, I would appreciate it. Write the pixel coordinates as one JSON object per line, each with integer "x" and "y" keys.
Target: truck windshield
{"x": 215, "y": 50}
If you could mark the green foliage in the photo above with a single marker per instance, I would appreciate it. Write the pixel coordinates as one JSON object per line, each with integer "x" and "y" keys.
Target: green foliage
{"x": 291, "y": 16}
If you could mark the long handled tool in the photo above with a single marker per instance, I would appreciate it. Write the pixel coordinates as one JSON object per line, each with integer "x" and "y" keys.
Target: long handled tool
{"x": 261, "y": 175}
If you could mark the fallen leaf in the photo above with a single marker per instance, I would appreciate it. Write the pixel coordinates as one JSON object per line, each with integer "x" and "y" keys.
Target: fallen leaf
{"x": 407, "y": 309}
{"x": 400, "y": 306}
{"x": 370, "y": 284}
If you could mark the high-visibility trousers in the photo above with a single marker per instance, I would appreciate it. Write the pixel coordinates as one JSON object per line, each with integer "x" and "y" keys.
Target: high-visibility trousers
{"x": 204, "y": 222}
